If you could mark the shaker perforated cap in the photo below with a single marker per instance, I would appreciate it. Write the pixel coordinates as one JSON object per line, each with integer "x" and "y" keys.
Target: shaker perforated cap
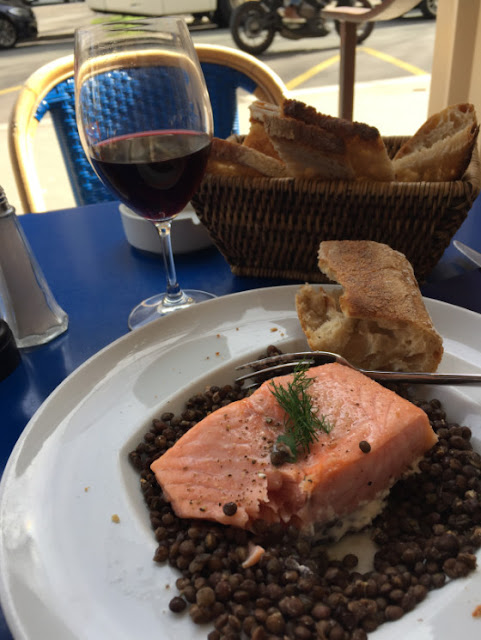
{"x": 9, "y": 353}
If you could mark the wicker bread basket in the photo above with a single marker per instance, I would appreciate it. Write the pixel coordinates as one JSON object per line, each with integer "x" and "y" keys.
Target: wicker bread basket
{"x": 269, "y": 227}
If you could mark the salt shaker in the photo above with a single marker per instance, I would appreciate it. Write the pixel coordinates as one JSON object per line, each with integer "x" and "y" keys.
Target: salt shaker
{"x": 26, "y": 302}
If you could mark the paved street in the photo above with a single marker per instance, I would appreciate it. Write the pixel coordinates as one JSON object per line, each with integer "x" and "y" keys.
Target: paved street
{"x": 391, "y": 91}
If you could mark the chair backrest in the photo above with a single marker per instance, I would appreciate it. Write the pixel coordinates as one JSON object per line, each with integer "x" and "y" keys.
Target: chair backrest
{"x": 51, "y": 90}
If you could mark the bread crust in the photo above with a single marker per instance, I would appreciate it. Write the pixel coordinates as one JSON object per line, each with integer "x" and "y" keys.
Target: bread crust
{"x": 309, "y": 152}
{"x": 233, "y": 159}
{"x": 314, "y": 145}
{"x": 339, "y": 127}
{"x": 379, "y": 319}
{"x": 441, "y": 148}
{"x": 258, "y": 139}
{"x": 378, "y": 281}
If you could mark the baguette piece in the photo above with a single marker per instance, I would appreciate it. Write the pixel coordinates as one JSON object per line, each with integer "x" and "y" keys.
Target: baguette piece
{"x": 441, "y": 149}
{"x": 318, "y": 146}
{"x": 378, "y": 320}
{"x": 233, "y": 159}
{"x": 257, "y": 137}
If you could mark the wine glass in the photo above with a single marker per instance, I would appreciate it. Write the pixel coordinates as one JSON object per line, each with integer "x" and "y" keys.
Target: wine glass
{"x": 145, "y": 122}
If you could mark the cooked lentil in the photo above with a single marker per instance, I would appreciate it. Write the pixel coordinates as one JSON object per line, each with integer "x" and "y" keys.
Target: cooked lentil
{"x": 426, "y": 536}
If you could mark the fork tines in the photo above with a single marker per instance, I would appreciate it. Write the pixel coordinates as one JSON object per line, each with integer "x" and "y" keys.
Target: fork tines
{"x": 279, "y": 359}
{"x": 283, "y": 363}
{"x": 269, "y": 372}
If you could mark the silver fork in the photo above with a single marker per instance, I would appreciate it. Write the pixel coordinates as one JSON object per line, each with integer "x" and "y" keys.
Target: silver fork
{"x": 286, "y": 362}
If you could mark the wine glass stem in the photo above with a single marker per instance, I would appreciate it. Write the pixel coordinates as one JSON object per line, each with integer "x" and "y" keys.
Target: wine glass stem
{"x": 174, "y": 294}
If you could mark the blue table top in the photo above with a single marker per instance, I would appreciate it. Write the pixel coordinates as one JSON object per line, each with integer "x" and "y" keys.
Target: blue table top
{"x": 97, "y": 278}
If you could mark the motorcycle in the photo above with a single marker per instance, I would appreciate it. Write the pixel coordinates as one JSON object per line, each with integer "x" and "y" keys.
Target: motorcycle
{"x": 254, "y": 24}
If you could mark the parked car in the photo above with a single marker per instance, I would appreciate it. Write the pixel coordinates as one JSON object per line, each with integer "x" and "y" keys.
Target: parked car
{"x": 217, "y": 10}
{"x": 17, "y": 22}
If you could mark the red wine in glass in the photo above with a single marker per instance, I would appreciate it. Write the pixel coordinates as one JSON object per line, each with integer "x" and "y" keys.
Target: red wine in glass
{"x": 145, "y": 122}
{"x": 155, "y": 173}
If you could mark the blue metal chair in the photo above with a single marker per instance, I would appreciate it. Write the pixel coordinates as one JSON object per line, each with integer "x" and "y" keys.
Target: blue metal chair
{"x": 51, "y": 90}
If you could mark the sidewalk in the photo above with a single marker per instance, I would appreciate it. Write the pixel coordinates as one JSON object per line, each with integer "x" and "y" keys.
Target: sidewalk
{"x": 395, "y": 107}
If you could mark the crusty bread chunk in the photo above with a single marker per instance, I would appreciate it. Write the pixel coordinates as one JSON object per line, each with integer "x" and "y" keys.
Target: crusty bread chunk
{"x": 318, "y": 146}
{"x": 229, "y": 158}
{"x": 257, "y": 137}
{"x": 378, "y": 319}
{"x": 441, "y": 149}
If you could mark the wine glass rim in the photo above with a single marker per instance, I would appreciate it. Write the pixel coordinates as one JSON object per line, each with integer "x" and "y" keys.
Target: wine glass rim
{"x": 146, "y": 22}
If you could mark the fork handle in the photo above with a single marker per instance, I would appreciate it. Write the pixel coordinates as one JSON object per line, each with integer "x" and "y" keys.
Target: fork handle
{"x": 424, "y": 378}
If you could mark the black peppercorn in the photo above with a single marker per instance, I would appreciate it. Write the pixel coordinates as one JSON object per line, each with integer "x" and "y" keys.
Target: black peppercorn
{"x": 365, "y": 446}
{"x": 230, "y": 508}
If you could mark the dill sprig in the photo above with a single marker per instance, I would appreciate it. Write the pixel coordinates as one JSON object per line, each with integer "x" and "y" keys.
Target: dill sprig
{"x": 302, "y": 423}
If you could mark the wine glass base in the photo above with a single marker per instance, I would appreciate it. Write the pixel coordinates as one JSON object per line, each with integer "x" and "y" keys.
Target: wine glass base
{"x": 158, "y": 306}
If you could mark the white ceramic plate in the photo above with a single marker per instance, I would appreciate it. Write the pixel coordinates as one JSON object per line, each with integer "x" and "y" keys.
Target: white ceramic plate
{"x": 69, "y": 572}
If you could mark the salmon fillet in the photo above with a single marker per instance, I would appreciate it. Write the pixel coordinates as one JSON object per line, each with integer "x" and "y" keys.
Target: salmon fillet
{"x": 225, "y": 458}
